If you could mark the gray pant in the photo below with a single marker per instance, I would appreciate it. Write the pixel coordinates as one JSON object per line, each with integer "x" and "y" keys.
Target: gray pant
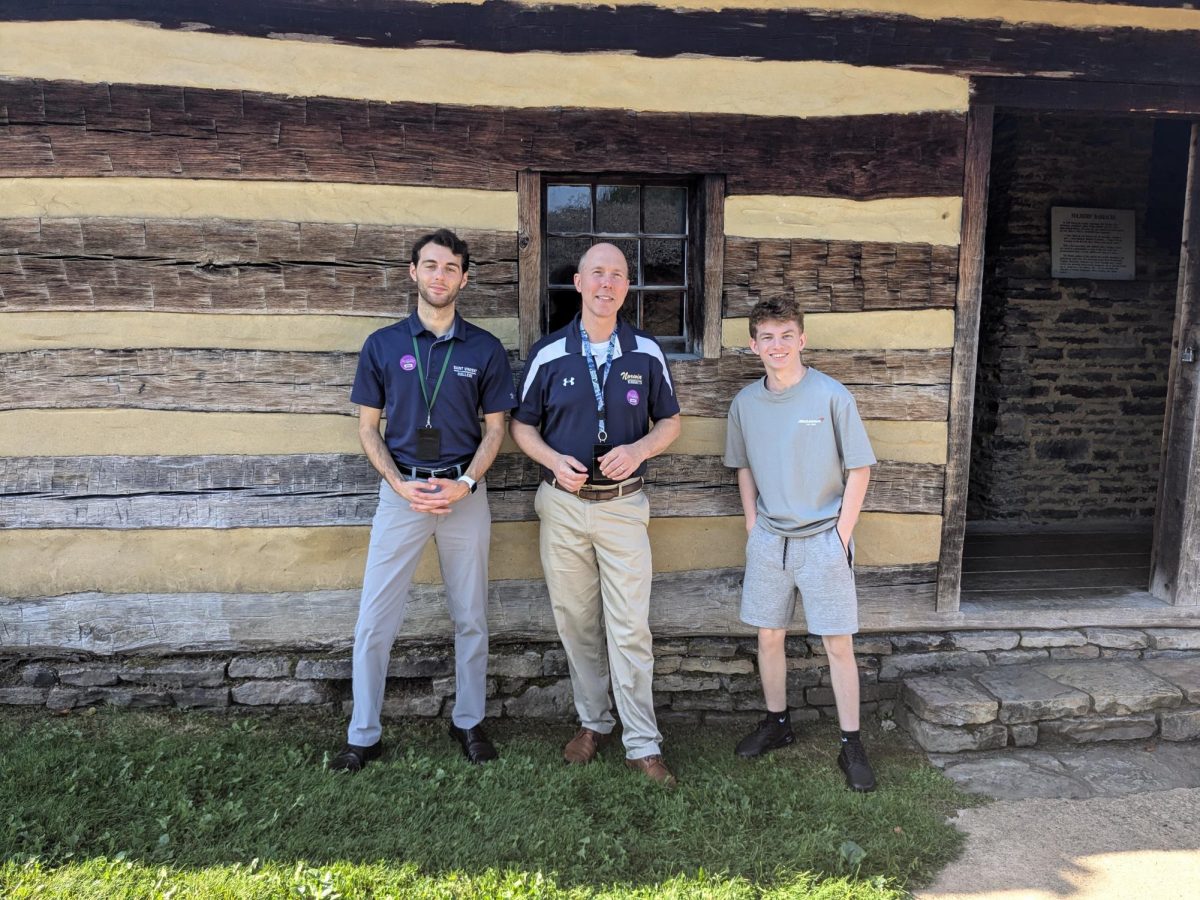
{"x": 596, "y": 558}
{"x": 398, "y": 537}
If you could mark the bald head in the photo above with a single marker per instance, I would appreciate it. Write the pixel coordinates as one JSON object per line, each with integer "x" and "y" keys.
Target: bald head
{"x": 606, "y": 253}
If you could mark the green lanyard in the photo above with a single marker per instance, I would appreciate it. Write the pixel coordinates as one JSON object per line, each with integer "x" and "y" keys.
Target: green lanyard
{"x": 429, "y": 401}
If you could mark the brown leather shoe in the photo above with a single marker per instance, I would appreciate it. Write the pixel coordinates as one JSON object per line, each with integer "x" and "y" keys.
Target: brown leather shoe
{"x": 654, "y": 768}
{"x": 582, "y": 748}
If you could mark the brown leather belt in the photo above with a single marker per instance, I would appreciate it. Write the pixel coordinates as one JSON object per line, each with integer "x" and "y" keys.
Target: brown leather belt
{"x": 595, "y": 493}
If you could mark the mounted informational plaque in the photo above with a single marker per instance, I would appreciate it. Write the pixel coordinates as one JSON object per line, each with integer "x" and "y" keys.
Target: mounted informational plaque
{"x": 1092, "y": 243}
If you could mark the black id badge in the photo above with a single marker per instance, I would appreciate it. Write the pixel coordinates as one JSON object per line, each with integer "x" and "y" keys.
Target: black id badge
{"x": 596, "y": 476}
{"x": 429, "y": 444}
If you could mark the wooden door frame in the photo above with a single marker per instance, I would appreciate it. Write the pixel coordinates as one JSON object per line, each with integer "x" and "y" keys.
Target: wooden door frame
{"x": 1175, "y": 562}
{"x": 1157, "y": 101}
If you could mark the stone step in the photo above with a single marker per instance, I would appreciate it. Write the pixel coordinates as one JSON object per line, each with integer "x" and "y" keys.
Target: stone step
{"x": 1053, "y": 701}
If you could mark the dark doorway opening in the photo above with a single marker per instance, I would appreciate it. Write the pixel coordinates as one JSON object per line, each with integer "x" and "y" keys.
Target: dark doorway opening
{"x": 1072, "y": 373}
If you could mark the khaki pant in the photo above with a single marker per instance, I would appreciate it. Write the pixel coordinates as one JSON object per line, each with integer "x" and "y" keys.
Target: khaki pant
{"x": 596, "y": 557}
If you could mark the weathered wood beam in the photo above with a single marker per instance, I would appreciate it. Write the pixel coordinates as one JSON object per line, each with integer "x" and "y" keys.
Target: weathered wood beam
{"x": 67, "y": 129}
{"x": 342, "y": 489}
{"x": 966, "y": 350}
{"x": 888, "y": 384}
{"x": 507, "y": 26}
{"x": 1175, "y": 570}
{"x": 685, "y": 604}
{"x": 1084, "y": 96}
{"x": 838, "y": 276}
{"x": 231, "y": 265}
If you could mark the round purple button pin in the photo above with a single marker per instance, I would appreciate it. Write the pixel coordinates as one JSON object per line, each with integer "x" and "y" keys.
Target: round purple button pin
{"x": 408, "y": 362}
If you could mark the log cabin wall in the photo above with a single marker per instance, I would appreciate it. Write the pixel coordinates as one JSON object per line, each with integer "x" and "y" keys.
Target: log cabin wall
{"x": 204, "y": 212}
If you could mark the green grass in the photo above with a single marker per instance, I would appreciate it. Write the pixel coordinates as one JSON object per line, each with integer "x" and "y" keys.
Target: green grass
{"x": 157, "y": 805}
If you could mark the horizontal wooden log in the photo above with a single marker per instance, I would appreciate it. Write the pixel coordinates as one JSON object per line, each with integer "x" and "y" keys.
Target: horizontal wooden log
{"x": 60, "y": 129}
{"x": 856, "y": 37}
{"x": 892, "y": 384}
{"x": 838, "y": 276}
{"x": 342, "y": 489}
{"x": 230, "y": 265}
{"x": 685, "y": 604}
{"x": 1078, "y": 96}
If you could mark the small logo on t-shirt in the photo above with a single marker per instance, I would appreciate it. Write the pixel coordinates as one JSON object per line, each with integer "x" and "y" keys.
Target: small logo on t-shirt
{"x": 569, "y": 381}
{"x": 465, "y": 371}
{"x": 811, "y": 421}
{"x": 408, "y": 362}
{"x": 632, "y": 377}
{"x": 632, "y": 398}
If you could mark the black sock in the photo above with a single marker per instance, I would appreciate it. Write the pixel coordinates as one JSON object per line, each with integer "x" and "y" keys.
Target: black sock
{"x": 850, "y": 737}
{"x": 783, "y": 718}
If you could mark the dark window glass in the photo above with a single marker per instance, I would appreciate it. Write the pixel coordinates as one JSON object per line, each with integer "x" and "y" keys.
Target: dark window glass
{"x": 569, "y": 208}
{"x": 561, "y": 307}
{"x": 617, "y": 208}
{"x": 648, "y": 221}
{"x": 662, "y": 262}
{"x": 562, "y": 255}
{"x": 665, "y": 210}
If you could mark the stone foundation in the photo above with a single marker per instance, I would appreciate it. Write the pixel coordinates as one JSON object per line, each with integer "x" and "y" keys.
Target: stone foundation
{"x": 704, "y": 679}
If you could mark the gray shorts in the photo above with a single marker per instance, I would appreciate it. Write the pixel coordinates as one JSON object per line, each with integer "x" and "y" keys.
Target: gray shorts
{"x": 816, "y": 565}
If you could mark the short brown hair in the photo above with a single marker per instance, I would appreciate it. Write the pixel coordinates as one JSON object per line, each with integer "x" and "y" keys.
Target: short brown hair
{"x": 775, "y": 309}
{"x": 443, "y": 237}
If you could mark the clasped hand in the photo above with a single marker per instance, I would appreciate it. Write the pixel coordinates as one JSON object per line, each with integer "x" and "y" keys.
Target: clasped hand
{"x": 434, "y": 496}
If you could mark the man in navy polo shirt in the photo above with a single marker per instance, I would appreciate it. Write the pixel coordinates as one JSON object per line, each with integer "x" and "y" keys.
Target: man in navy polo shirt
{"x": 432, "y": 373}
{"x": 589, "y": 396}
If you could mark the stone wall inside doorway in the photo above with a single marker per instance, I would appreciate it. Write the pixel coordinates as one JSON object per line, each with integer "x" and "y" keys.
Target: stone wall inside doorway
{"x": 1072, "y": 373}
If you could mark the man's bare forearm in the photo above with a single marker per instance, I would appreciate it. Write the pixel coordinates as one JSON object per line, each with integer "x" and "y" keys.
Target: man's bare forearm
{"x": 658, "y": 438}
{"x": 378, "y": 453}
{"x": 748, "y": 493}
{"x": 530, "y": 442}
{"x": 852, "y": 500}
{"x": 489, "y": 446}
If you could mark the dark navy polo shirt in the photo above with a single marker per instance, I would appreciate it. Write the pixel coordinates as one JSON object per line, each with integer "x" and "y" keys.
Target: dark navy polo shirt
{"x": 557, "y": 395}
{"x": 478, "y": 377}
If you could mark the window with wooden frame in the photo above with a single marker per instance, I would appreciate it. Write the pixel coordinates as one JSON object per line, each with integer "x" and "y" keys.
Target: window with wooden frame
{"x": 671, "y": 231}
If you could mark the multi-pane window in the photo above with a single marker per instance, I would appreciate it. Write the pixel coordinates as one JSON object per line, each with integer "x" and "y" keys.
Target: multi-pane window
{"x": 651, "y": 222}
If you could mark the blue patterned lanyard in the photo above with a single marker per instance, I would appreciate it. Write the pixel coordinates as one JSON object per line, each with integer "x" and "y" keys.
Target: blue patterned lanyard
{"x": 597, "y": 384}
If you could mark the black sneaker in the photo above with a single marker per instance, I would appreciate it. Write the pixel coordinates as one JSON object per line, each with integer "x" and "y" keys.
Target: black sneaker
{"x": 353, "y": 758}
{"x": 854, "y": 765}
{"x": 770, "y": 734}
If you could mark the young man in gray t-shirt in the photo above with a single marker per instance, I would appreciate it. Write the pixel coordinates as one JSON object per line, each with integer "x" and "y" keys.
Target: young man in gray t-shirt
{"x": 803, "y": 461}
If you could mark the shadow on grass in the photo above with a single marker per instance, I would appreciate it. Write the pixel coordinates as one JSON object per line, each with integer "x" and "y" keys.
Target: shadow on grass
{"x": 195, "y": 791}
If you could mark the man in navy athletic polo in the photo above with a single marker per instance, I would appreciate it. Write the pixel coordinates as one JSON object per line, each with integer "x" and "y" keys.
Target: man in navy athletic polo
{"x": 433, "y": 373}
{"x": 596, "y": 403}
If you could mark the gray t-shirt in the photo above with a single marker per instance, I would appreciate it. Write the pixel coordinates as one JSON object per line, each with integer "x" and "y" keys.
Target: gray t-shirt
{"x": 798, "y": 445}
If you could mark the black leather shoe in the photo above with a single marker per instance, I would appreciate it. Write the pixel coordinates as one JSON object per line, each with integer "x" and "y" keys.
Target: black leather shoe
{"x": 768, "y": 735}
{"x": 475, "y": 744}
{"x": 353, "y": 758}
{"x": 854, "y": 765}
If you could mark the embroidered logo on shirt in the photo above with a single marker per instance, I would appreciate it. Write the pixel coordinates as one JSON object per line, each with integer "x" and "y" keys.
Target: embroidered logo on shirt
{"x": 408, "y": 362}
{"x": 810, "y": 421}
{"x": 569, "y": 381}
{"x": 632, "y": 377}
{"x": 632, "y": 398}
{"x": 465, "y": 371}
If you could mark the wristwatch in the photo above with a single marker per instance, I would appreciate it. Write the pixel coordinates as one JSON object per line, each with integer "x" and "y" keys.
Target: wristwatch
{"x": 468, "y": 481}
